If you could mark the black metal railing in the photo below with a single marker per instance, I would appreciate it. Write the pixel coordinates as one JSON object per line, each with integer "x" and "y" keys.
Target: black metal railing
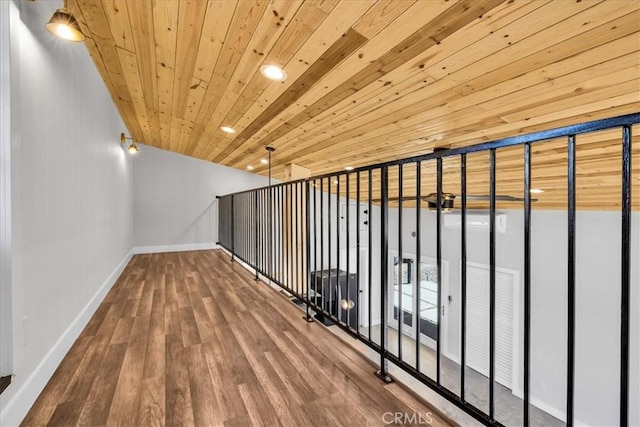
{"x": 340, "y": 243}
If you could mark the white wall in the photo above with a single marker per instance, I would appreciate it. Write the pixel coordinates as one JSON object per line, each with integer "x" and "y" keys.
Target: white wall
{"x": 175, "y": 198}
{"x": 597, "y": 301}
{"x": 72, "y": 200}
{"x": 6, "y": 334}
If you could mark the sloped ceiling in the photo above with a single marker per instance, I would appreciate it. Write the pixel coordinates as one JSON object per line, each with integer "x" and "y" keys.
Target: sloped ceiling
{"x": 373, "y": 81}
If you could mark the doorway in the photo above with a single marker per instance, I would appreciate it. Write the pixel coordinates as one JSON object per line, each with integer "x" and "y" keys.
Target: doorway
{"x": 419, "y": 315}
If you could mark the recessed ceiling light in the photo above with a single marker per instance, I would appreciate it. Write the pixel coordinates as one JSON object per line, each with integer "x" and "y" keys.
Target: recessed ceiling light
{"x": 273, "y": 72}
{"x": 227, "y": 129}
{"x": 536, "y": 191}
{"x": 348, "y": 168}
{"x": 336, "y": 182}
{"x": 264, "y": 161}
{"x": 249, "y": 167}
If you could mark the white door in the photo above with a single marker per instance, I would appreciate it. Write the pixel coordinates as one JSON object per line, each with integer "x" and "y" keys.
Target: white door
{"x": 477, "y": 354}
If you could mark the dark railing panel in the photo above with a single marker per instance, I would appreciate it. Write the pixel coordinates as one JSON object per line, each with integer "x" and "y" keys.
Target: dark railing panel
{"x": 327, "y": 241}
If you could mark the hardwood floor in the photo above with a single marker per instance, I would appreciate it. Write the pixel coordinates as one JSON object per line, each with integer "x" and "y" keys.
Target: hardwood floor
{"x": 190, "y": 338}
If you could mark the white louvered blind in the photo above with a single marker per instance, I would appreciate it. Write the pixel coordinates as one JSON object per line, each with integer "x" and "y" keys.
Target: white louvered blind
{"x": 504, "y": 329}
{"x": 478, "y": 323}
{"x": 478, "y": 319}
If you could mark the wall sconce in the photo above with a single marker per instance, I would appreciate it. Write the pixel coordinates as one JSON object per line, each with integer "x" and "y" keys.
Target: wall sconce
{"x": 64, "y": 25}
{"x": 133, "y": 148}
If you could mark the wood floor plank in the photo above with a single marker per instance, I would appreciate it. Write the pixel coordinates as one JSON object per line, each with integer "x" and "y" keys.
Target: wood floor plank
{"x": 177, "y": 393}
{"x": 151, "y": 408}
{"x": 126, "y": 396}
{"x": 66, "y": 413}
{"x": 191, "y": 338}
{"x": 205, "y": 408}
{"x": 95, "y": 410}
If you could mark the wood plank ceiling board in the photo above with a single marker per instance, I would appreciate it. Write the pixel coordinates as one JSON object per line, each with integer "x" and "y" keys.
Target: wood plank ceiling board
{"x": 269, "y": 27}
{"x": 165, "y": 29}
{"x": 215, "y": 27}
{"x": 371, "y": 81}
{"x": 419, "y": 107}
{"x": 142, "y": 26}
{"x": 105, "y": 58}
{"x": 367, "y": 53}
{"x": 436, "y": 29}
{"x": 308, "y": 29}
{"x": 410, "y": 112}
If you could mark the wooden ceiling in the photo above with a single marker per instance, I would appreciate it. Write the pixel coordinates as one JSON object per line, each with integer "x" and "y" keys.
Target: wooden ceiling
{"x": 370, "y": 81}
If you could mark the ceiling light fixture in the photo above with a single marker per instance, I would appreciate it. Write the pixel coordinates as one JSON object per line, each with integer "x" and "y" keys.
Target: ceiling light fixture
{"x": 273, "y": 72}
{"x": 348, "y": 168}
{"x": 249, "y": 167}
{"x": 264, "y": 161}
{"x": 64, "y": 25}
{"x": 536, "y": 191}
{"x": 227, "y": 129}
{"x": 133, "y": 147}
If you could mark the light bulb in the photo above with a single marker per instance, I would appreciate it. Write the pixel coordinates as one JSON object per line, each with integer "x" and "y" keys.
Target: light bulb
{"x": 273, "y": 72}
{"x": 347, "y": 304}
{"x": 64, "y": 31}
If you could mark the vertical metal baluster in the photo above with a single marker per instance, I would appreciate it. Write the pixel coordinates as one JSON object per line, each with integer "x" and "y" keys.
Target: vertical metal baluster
{"x": 321, "y": 273}
{"x": 527, "y": 280}
{"x": 303, "y": 235}
{"x": 384, "y": 276}
{"x": 291, "y": 254}
{"x": 571, "y": 260}
{"x": 439, "y": 261}
{"x": 492, "y": 281}
{"x": 307, "y": 203}
{"x": 274, "y": 253}
{"x": 260, "y": 231}
{"x": 358, "y": 219}
{"x": 257, "y": 231}
{"x": 270, "y": 231}
{"x": 233, "y": 228}
{"x": 418, "y": 255}
{"x": 265, "y": 233}
{"x": 348, "y": 243}
{"x": 625, "y": 276}
{"x": 369, "y": 254}
{"x": 315, "y": 235}
{"x": 336, "y": 301}
{"x": 463, "y": 275}
{"x": 327, "y": 285}
{"x": 278, "y": 235}
{"x": 400, "y": 263}
{"x": 296, "y": 277}
{"x": 285, "y": 235}
{"x": 282, "y": 231}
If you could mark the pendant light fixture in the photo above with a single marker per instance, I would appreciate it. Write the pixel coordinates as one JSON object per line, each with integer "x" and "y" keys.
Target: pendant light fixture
{"x": 269, "y": 150}
{"x": 133, "y": 147}
{"x": 64, "y": 25}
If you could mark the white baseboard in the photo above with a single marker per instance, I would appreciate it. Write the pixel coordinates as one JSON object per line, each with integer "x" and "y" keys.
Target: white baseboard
{"x": 16, "y": 409}
{"x": 543, "y": 406}
{"x": 174, "y": 248}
